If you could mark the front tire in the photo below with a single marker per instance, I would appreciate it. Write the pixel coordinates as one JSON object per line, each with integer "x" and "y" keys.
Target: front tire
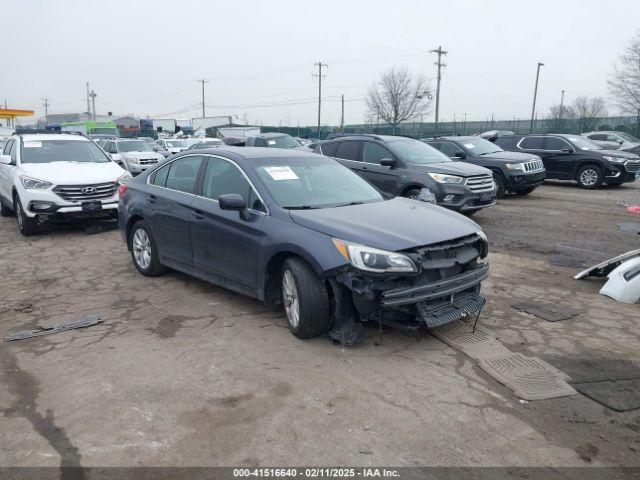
{"x": 413, "y": 194}
{"x": 5, "y": 211}
{"x": 589, "y": 177}
{"x": 304, "y": 299}
{"x": 28, "y": 226}
{"x": 144, "y": 251}
{"x": 500, "y": 188}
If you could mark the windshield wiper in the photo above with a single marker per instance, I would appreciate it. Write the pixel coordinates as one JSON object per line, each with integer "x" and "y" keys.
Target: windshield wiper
{"x": 489, "y": 153}
{"x": 301, "y": 207}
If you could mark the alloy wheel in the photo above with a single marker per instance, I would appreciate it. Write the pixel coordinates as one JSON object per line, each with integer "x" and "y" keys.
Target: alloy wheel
{"x": 589, "y": 177}
{"x": 142, "y": 248}
{"x": 19, "y": 213}
{"x": 290, "y": 298}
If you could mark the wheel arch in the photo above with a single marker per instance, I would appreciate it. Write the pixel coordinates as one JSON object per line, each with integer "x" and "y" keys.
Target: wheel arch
{"x": 130, "y": 223}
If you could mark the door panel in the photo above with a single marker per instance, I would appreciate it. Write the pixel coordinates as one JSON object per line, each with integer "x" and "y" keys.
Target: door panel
{"x": 169, "y": 207}
{"x": 225, "y": 242}
{"x": 384, "y": 178}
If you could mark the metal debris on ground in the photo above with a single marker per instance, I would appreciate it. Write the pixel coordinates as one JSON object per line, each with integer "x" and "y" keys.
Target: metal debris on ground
{"x": 87, "y": 321}
{"x": 548, "y": 312}
{"x": 604, "y": 268}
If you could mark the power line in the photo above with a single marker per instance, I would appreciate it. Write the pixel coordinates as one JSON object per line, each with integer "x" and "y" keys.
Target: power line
{"x": 320, "y": 77}
{"x": 441, "y": 53}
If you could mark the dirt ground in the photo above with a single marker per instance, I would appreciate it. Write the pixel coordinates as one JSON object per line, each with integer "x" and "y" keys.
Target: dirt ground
{"x": 183, "y": 373}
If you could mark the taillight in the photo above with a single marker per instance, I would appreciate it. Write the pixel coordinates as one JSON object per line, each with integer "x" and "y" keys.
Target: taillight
{"x": 122, "y": 189}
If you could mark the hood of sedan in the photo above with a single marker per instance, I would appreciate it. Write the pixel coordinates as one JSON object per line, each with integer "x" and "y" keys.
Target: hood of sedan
{"x": 461, "y": 169}
{"x": 140, "y": 155}
{"x": 73, "y": 173}
{"x": 396, "y": 224}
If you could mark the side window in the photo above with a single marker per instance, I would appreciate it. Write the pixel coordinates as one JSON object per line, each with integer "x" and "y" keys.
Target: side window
{"x": 7, "y": 148}
{"x": 555, "y": 143}
{"x": 13, "y": 151}
{"x": 260, "y": 142}
{"x": 449, "y": 149}
{"x": 160, "y": 176}
{"x": 328, "y": 149}
{"x": 373, "y": 153}
{"x": 183, "y": 174}
{"x": 348, "y": 150}
{"x": 598, "y": 136}
{"x": 532, "y": 143}
{"x": 223, "y": 177}
{"x": 613, "y": 138}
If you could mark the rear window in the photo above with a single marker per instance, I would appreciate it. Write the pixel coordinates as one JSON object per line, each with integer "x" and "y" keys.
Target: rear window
{"x": 329, "y": 148}
{"x": 348, "y": 150}
{"x": 532, "y": 143}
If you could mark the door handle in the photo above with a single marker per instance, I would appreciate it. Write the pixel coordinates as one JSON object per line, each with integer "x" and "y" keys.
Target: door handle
{"x": 197, "y": 214}
{"x": 152, "y": 198}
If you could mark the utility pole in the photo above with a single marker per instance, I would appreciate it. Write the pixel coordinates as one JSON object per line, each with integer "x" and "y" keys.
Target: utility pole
{"x": 561, "y": 105}
{"x": 535, "y": 95}
{"x": 88, "y": 103}
{"x": 440, "y": 63}
{"x": 342, "y": 115}
{"x": 93, "y": 96}
{"x": 203, "y": 81}
{"x": 46, "y": 111}
{"x": 320, "y": 77}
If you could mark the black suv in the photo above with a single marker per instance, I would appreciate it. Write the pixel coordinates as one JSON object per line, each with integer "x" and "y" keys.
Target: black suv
{"x": 513, "y": 172}
{"x": 572, "y": 157}
{"x": 400, "y": 166}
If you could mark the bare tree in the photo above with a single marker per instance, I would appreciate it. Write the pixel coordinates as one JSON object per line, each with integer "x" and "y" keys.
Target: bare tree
{"x": 398, "y": 97}
{"x": 587, "y": 111}
{"x": 624, "y": 84}
{"x": 560, "y": 118}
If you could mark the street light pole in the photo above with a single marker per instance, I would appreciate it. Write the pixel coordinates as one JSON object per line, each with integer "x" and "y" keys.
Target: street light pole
{"x": 535, "y": 95}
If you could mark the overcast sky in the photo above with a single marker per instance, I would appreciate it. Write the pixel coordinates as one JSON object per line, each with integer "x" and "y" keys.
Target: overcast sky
{"x": 144, "y": 57}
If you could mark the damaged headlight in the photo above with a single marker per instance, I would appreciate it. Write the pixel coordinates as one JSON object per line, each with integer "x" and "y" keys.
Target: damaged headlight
{"x": 374, "y": 260}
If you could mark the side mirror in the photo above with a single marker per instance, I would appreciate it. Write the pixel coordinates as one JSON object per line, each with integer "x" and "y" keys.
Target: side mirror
{"x": 461, "y": 155}
{"x": 387, "y": 162}
{"x": 5, "y": 159}
{"x": 232, "y": 201}
{"x": 567, "y": 150}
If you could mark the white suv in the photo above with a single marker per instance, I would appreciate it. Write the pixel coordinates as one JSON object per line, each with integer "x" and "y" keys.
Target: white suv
{"x": 56, "y": 175}
{"x": 134, "y": 155}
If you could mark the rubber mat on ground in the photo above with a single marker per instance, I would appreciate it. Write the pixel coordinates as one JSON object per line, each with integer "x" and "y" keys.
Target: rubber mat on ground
{"x": 529, "y": 378}
{"x": 479, "y": 343}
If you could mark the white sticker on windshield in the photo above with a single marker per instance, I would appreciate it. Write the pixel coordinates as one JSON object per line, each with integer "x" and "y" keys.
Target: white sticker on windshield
{"x": 32, "y": 144}
{"x": 271, "y": 142}
{"x": 281, "y": 173}
{"x": 469, "y": 145}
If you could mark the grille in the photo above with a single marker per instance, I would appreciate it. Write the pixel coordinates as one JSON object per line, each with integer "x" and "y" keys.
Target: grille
{"x": 480, "y": 183}
{"x": 533, "y": 166}
{"x": 632, "y": 166}
{"x": 74, "y": 193}
{"x": 148, "y": 161}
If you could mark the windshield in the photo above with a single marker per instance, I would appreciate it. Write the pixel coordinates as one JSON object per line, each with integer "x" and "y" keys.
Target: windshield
{"x": 584, "y": 143}
{"x": 105, "y": 131}
{"x": 134, "y": 146}
{"x": 313, "y": 183}
{"x": 177, "y": 143}
{"x": 414, "y": 151}
{"x": 47, "y": 151}
{"x": 282, "y": 142}
{"x": 479, "y": 146}
{"x": 628, "y": 138}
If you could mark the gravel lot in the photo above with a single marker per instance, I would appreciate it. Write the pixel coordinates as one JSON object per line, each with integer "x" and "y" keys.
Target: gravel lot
{"x": 185, "y": 373}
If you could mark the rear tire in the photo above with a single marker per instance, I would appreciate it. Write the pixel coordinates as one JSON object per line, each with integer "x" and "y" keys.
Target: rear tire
{"x": 28, "y": 226}
{"x": 305, "y": 300}
{"x": 144, "y": 251}
{"x": 5, "y": 211}
{"x": 589, "y": 177}
{"x": 500, "y": 188}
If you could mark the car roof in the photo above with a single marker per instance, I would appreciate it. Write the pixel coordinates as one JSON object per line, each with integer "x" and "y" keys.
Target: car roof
{"x": 27, "y": 137}
{"x": 465, "y": 138}
{"x": 272, "y": 135}
{"x": 254, "y": 153}
{"x": 360, "y": 136}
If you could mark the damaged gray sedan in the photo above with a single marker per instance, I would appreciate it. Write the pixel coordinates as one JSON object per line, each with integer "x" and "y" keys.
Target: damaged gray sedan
{"x": 301, "y": 230}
